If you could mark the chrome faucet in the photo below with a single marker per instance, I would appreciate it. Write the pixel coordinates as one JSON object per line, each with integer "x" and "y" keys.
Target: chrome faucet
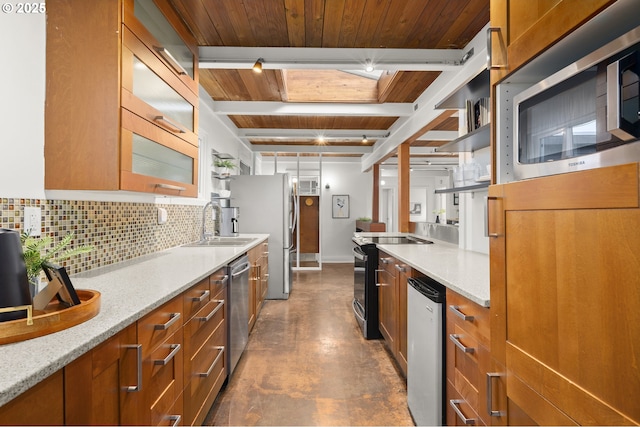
{"x": 216, "y": 227}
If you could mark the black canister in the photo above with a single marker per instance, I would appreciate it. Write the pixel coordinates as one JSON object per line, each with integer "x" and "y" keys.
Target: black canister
{"x": 14, "y": 284}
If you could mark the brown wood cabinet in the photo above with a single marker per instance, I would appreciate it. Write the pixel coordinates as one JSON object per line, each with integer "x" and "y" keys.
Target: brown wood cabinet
{"x": 392, "y": 305}
{"x": 468, "y": 362}
{"x": 564, "y": 290}
{"x": 205, "y": 341}
{"x": 258, "y": 280}
{"x": 109, "y": 82}
{"x": 521, "y": 30}
{"x": 41, "y": 405}
{"x": 102, "y": 387}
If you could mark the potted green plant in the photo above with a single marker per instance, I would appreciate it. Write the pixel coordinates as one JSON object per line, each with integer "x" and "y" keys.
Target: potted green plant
{"x": 35, "y": 254}
{"x": 225, "y": 166}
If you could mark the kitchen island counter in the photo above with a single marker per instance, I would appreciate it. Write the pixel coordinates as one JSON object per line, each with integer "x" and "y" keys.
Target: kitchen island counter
{"x": 129, "y": 290}
{"x": 464, "y": 272}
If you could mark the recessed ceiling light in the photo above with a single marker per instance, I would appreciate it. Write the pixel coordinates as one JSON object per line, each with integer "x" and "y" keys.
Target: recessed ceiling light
{"x": 368, "y": 67}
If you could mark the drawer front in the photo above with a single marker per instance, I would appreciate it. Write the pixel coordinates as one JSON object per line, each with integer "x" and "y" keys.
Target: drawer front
{"x": 208, "y": 372}
{"x": 199, "y": 329}
{"x": 218, "y": 281}
{"x": 163, "y": 376}
{"x": 459, "y": 412}
{"x": 469, "y": 316}
{"x": 196, "y": 298}
{"x": 157, "y": 326}
{"x": 165, "y": 413}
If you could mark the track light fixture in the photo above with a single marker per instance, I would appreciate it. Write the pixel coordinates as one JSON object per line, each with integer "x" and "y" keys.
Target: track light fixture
{"x": 257, "y": 67}
{"x": 364, "y": 139}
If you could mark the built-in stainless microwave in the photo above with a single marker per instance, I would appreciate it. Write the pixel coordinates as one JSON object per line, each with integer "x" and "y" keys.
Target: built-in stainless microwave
{"x": 585, "y": 116}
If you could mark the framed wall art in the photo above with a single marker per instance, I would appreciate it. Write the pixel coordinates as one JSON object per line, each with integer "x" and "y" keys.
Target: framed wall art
{"x": 340, "y": 206}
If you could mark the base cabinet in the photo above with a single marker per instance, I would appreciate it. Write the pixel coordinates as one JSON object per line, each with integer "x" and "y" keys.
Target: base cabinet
{"x": 258, "y": 280}
{"x": 40, "y": 405}
{"x": 205, "y": 363}
{"x": 392, "y": 278}
{"x": 165, "y": 369}
{"x": 102, "y": 387}
{"x": 471, "y": 385}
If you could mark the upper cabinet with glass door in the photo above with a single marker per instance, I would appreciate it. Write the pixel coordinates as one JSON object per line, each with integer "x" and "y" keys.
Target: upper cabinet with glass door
{"x": 171, "y": 43}
{"x": 122, "y": 98}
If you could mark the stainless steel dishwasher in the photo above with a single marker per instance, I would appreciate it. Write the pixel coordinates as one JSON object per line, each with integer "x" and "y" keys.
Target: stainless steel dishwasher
{"x": 425, "y": 353}
{"x": 238, "y": 297}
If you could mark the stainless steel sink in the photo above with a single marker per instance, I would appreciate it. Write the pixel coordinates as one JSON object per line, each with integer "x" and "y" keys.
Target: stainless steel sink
{"x": 223, "y": 241}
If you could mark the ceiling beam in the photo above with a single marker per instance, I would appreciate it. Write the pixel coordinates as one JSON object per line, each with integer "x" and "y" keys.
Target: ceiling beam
{"x": 269, "y": 108}
{"x": 257, "y": 133}
{"x": 277, "y": 58}
{"x": 311, "y": 149}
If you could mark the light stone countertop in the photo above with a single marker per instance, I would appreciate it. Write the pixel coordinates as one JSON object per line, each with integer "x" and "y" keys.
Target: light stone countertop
{"x": 464, "y": 272}
{"x": 129, "y": 290}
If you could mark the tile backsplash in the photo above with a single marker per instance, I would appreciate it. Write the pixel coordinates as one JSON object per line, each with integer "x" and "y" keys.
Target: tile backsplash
{"x": 118, "y": 231}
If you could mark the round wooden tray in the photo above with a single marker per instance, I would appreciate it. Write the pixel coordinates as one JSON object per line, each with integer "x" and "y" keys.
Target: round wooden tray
{"x": 55, "y": 317}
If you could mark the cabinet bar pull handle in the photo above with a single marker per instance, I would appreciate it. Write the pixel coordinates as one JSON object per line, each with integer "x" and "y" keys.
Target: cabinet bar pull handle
{"x": 401, "y": 268}
{"x": 490, "y": 66}
{"x": 456, "y": 340}
{"x": 202, "y": 297}
{"x": 166, "y": 55}
{"x": 385, "y": 260}
{"x": 456, "y": 310}
{"x": 222, "y": 281}
{"x": 455, "y": 405}
{"x": 138, "y": 386}
{"x": 175, "y": 348}
{"x": 486, "y": 214}
{"x": 173, "y": 318}
{"x": 213, "y": 312}
{"x": 490, "y": 411}
{"x": 175, "y": 419}
{"x": 170, "y": 187}
{"x": 164, "y": 120}
{"x": 215, "y": 362}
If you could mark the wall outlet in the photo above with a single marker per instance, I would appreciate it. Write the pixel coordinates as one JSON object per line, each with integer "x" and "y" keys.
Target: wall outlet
{"x": 32, "y": 221}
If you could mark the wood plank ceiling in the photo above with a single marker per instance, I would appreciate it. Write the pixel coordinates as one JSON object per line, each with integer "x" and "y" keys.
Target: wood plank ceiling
{"x": 388, "y": 24}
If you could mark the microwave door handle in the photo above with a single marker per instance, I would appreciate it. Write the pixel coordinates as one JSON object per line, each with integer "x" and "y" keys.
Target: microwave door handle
{"x": 614, "y": 95}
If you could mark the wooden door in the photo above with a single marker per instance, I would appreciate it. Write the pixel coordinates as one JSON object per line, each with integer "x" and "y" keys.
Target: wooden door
{"x": 309, "y": 225}
{"x": 521, "y": 30}
{"x": 565, "y": 283}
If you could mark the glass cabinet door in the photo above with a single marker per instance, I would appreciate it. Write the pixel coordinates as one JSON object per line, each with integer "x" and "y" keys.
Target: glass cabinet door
{"x": 172, "y": 48}
{"x": 157, "y": 93}
{"x": 152, "y": 159}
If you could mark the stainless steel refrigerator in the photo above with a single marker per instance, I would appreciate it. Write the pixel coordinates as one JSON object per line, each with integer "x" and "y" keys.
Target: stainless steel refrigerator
{"x": 267, "y": 205}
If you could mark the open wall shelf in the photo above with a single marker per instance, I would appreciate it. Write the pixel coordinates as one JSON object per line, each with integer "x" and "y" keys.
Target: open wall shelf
{"x": 465, "y": 189}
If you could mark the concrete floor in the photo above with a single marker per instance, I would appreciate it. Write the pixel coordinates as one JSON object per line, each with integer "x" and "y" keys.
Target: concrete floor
{"x": 307, "y": 363}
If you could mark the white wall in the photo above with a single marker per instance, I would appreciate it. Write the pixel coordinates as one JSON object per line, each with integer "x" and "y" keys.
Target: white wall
{"x": 22, "y": 85}
{"x": 344, "y": 178}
